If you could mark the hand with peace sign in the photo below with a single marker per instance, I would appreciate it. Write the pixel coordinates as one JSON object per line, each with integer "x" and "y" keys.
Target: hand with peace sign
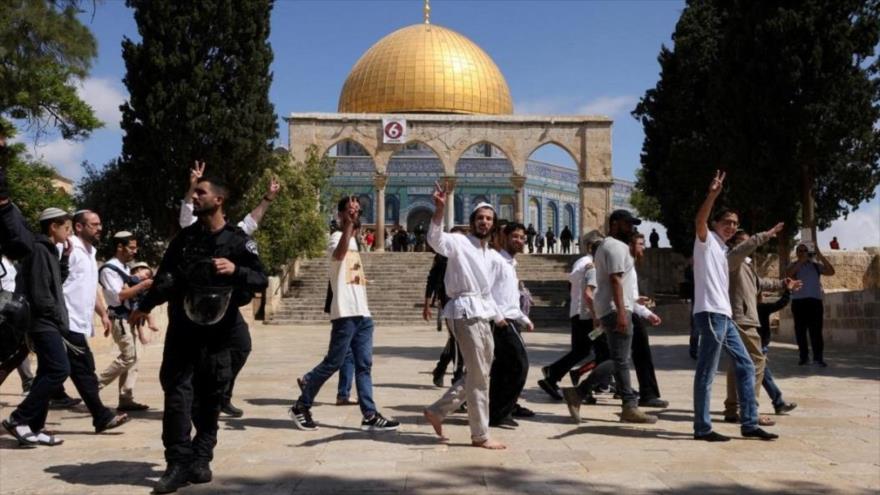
{"x": 717, "y": 182}
{"x": 440, "y": 196}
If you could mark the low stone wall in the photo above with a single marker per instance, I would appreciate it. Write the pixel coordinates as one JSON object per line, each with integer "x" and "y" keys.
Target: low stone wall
{"x": 852, "y": 319}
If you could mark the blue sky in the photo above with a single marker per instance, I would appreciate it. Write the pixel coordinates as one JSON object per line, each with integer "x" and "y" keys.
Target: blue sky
{"x": 559, "y": 57}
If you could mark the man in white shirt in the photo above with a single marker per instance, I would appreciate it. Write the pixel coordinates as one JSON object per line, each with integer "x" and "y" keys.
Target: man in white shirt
{"x": 581, "y": 326}
{"x": 511, "y": 365}
{"x": 119, "y": 290}
{"x": 352, "y": 327}
{"x": 82, "y": 300}
{"x": 713, "y": 320}
{"x": 469, "y": 280}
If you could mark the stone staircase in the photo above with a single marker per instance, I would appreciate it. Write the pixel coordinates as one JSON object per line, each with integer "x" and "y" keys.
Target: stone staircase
{"x": 396, "y": 288}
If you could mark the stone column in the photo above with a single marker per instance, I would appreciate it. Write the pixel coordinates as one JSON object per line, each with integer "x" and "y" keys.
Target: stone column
{"x": 519, "y": 198}
{"x": 450, "y": 202}
{"x": 595, "y": 205}
{"x": 379, "y": 182}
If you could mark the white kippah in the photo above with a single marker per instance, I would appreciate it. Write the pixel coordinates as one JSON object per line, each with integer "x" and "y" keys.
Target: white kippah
{"x": 52, "y": 213}
{"x": 122, "y": 234}
{"x": 483, "y": 205}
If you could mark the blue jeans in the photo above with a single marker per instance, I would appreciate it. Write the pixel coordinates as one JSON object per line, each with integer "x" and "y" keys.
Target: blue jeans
{"x": 353, "y": 335}
{"x": 770, "y": 385}
{"x": 346, "y": 376}
{"x": 716, "y": 331}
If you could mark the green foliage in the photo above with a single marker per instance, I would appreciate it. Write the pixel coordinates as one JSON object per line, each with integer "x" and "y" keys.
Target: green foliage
{"x": 294, "y": 225}
{"x": 113, "y": 194}
{"x": 779, "y": 94}
{"x": 44, "y": 51}
{"x": 647, "y": 206}
{"x": 199, "y": 90}
{"x": 31, "y": 187}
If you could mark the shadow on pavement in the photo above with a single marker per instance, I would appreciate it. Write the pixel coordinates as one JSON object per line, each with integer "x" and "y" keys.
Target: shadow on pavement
{"x": 107, "y": 473}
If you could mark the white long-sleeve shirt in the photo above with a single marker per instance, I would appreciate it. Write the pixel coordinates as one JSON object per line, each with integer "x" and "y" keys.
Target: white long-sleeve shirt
{"x": 248, "y": 225}
{"x": 469, "y": 275}
{"x": 638, "y": 308}
{"x": 505, "y": 291}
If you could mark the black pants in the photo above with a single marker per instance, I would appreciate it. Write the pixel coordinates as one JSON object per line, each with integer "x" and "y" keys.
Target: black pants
{"x": 446, "y": 356}
{"x": 509, "y": 371}
{"x": 196, "y": 370}
{"x": 643, "y": 362}
{"x": 82, "y": 374}
{"x": 52, "y": 369}
{"x": 240, "y": 349}
{"x": 808, "y": 316}
{"x": 580, "y": 349}
{"x": 13, "y": 362}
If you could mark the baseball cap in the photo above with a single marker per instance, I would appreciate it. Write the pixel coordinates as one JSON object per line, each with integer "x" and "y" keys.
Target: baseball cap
{"x": 624, "y": 215}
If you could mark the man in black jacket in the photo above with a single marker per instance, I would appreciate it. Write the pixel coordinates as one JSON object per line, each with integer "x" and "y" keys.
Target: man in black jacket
{"x": 209, "y": 270}
{"x": 40, "y": 279}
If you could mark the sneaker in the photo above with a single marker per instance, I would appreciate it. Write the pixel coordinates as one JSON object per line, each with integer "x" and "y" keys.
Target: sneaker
{"x": 379, "y": 423}
{"x": 131, "y": 406}
{"x": 731, "y": 418}
{"x": 655, "y": 402}
{"x": 785, "y": 407}
{"x": 759, "y": 433}
{"x": 573, "y": 401}
{"x": 712, "y": 437}
{"x": 505, "y": 421}
{"x": 200, "y": 472}
{"x": 551, "y": 388}
{"x": 546, "y": 372}
{"x": 522, "y": 412}
{"x": 176, "y": 476}
{"x": 302, "y": 417}
{"x": 575, "y": 377}
{"x": 232, "y": 411}
{"x": 636, "y": 415}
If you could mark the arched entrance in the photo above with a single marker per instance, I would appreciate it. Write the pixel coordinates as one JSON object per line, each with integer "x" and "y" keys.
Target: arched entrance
{"x": 419, "y": 216}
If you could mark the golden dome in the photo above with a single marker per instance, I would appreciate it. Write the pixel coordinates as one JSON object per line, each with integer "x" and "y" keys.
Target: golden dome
{"x": 425, "y": 68}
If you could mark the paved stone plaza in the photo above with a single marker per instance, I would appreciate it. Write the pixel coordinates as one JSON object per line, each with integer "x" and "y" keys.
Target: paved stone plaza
{"x": 831, "y": 443}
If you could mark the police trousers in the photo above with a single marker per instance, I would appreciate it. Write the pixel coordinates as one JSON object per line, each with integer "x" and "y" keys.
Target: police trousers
{"x": 196, "y": 370}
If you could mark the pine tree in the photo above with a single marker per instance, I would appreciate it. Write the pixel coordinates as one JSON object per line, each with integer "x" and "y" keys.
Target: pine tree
{"x": 199, "y": 90}
{"x": 783, "y": 95}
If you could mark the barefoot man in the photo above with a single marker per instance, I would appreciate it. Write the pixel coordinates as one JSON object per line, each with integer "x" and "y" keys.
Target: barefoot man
{"x": 469, "y": 280}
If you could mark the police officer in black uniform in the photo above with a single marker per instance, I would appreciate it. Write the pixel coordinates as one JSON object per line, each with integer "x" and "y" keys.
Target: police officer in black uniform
{"x": 209, "y": 270}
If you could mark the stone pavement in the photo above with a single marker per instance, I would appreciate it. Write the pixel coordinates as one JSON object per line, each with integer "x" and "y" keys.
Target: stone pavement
{"x": 830, "y": 444}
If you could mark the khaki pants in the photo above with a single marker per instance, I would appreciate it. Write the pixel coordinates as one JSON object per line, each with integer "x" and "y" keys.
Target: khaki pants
{"x": 752, "y": 342}
{"x": 124, "y": 367}
{"x": 477, "y": 346}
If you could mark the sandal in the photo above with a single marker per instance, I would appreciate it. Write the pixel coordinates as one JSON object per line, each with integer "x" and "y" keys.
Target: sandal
{"x": 118, "y": 420}
{"x": 48, "y": 439}
{"x": 25, "y": 438}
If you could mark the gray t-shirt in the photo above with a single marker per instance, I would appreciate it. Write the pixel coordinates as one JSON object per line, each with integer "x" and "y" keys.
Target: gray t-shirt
{"x": 589, "y": 280}
{"x": 613, "y": 257}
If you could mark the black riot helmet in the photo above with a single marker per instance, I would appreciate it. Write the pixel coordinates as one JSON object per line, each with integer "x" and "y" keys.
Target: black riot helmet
{"x": 14, "y": 323}
{"x": 207, "y": 294}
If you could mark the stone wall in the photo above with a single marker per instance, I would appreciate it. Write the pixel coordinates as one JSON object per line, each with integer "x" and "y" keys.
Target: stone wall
{"x": 852, "y": 319}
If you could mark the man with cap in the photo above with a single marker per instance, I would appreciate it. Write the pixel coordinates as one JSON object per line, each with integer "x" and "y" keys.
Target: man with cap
{"x": 469, "y": 280}
{"x": 119, "y": 291}
{"x": 580, "y": 316}
{"x": 613, "y": 305}
{"x": 83, "y": 300}
{"x": 208, "y": 271}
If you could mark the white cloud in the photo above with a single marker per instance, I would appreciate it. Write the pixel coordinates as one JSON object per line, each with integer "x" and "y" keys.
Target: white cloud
{"x": 104, "y": 96}
{"x": 64, "y": 155}
{"x": 859, "y": 230}
{"x": 611, "y": 106}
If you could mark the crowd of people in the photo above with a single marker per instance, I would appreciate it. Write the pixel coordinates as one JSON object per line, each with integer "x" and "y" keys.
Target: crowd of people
{"x": 212, "y": 267}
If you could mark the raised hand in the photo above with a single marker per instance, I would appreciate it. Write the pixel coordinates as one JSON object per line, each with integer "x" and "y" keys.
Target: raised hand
{"x": 792, "y": 284}
{"x": 274, "y": 187}
{"x": 776, "y": 229}
{"x": 717, "y": 182}
{"x": 350, "y": 216}
{"x": 440, "y": 195}
{"x": 196, "y": 173}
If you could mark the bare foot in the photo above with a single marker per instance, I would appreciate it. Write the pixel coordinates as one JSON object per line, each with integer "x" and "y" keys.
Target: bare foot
{"x": 436, "y": 422}
{"x": 489, "y": 444}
